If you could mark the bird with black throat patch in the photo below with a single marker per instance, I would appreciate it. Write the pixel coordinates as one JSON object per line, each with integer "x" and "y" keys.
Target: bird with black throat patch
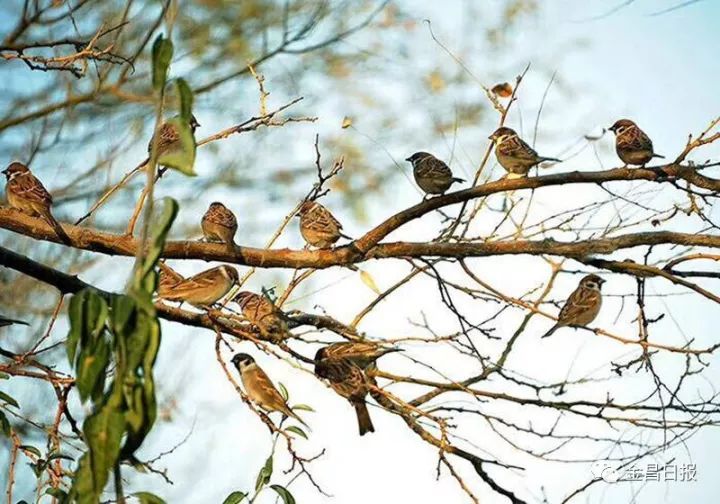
{"x": 432, "y": 174}
{"x": 583, "y": 305}
{"x": 27, "y": 194}
{"x": 260, "y": 389}
{"x": 514, "y": 154}
{"x": 632, "y": 144}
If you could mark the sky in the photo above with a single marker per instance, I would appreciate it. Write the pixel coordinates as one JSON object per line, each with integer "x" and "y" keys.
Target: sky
{"x": 660, "y": 70}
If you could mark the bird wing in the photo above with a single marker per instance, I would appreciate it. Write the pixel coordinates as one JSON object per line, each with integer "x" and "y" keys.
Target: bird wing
{"x": 320, "y": 219}
{"x": 261, "y": 389}
{"x": 199, "y": 281}
{"x": 28, "y": 187}
{"x": 636, "y": 139}
{"x": 579, "y": 302}
{"x": 435, "y": 168}
{"x": 168, "y": 135}
{"x": 221, "y": 216}
{"x": 517, "y": 148}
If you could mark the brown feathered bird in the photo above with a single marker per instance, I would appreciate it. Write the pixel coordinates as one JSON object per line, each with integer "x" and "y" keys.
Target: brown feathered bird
{"x": 348, "y": 380}
{"x": 582, "y": 306}
{"x": 361, "y": 353}
{"x": 513, "y": 154}
{"x": 203, "y": 289}
{"x": 318, "y": 227}
{"x": 259, "y": 388}
{"x": 632, "y": 145}
{"x": 27, "y": 194}
{"x": 219, "y": 224}
{"x": 263, "y": 314}
{"x": 432, "y": 174}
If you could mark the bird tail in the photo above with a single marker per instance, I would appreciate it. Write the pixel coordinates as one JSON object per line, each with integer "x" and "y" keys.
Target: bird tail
{"x": 458, "y": 179}
{"x": 543, "y": 158}
{"x": 7, "y": 321}
{"x": 59, "y": 231}
{"x": 552, "y": 330}
{"x": 346, "y": 236}
{"x": 365, "y": 425}
{"x": 658, "y": 156}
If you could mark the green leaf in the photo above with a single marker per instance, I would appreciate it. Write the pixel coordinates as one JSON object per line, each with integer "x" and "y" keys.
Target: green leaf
{"x": 121, "y": 313}
{"x": 303, "y": 407}
{"x": 186, "y": 99}
{"x": 162, "y": 52}
{"x": 284, "y": 494}
{"x": 103, "y": 433}
{"x": 31, "y": 449}
{"x": 159, "y": 229}
{"x": 8, "y": 399}
{"x": 296, "y": 430}
{"x": 59, "y": 456}
{"x": 4, "y": 376}
{"x": 92, "y": 364}
{"x": 183, "y": 157}
{"x": 264, "y": 474}
{"x": 148, "y": 498}
{"x": 75, "y": 312}
{"x": 234, "y": 498}
{"x": 4, "y": 424}
{"x": 57, "y": 493}
{"x": 283, "y": 391}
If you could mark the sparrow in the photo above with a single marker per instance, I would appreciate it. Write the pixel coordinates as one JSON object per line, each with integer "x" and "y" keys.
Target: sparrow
{"x": 203, "y": 289}
{"x": 219, "y": 224}
{"x": 360, "y": 353}
{"x": 348, "y": 380}
{"x": 169, "y": 139}
{"x": 264, "y": 315}
{"x": 582, "y": 306}
{"x": 318, "y": 227}
{"x": 260, "y": 388}
{"x": 632, "y": 145}
{"x": 431, "y": 174}
{"x": 513, "y": 154}
{"x": 27, "y": 194}
{"x": 7, "y": 321}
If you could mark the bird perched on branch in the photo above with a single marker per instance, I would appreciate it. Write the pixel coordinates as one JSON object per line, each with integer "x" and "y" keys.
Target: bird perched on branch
{"x": 263, "y": 314}
{"x": 259, "y": 388}
{"x": 318, "y": 227}
{"x": 219, "y": 224}
{"x": 8, "y": 321}
{"x": 582, "y": 306}
{"x": 632, "y": 145}
{"x": 169, "y": 137}
{"x": 27, "y": 194}
{"x": 348, "y": 380}
{"x": 361, "y": 353}
{"x": 169, "y": 278}
{"x": 513, "y": 154}
{"x": 202, "y": 289}
{"x": 431, "y": 174}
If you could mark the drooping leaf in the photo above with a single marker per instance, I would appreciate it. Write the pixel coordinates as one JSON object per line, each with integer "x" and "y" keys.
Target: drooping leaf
{"x": 103, "y": 432}
{"x": 162, "y": 52}
{"x": 296, "y": 430}
{"x": 368, "y": 280}
{"x": 303, "y": 407}
{"x": 283, "y": 391}
{"x": 186, "y": 99}
{"x": 265, "y": 474}
{"x": 8, "y": 399}
{"x": 92, "y": 364}
{"x": 284, "y": 494}
{"x": 77, "y": 324}
{"x": 58, "y": 493}
{"x": 148, "y": 498}
{"x": 181, "y": 158}
{"x": 59, "y": 456}
{"x": 4, "y": 376}
{"x": 235, "y": 498}
{"x": 4, "y": 424}
{"x": 160, "y": 227}
{"x": 31, "y": 449}
{"x": 122, "y": 312}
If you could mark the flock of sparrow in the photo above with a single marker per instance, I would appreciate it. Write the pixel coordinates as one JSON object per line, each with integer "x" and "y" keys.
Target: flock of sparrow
{"x": 344, "y": 365}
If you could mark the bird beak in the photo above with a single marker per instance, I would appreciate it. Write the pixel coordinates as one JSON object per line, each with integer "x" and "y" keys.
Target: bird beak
{"x": 491, "y": 137}
{"x": 408, "y": 159}
{"x": 602, "y": 281}
{"x": 4, "y": 172}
